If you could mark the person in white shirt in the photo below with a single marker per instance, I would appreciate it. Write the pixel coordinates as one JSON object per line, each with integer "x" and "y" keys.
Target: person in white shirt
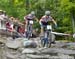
{"x": 3, "y": 18}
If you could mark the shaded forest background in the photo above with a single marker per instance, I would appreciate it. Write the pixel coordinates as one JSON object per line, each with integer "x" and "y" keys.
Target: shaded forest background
{"x": 63, "y": 11}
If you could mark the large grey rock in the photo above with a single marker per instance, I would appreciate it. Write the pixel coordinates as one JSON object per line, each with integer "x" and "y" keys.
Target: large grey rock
{"x": 58, "y": 50}
{"x": 14, "y": 44}
{"x": 71, "y": 45}
{"x": 30, "y": 51}
{"x": 23, "y": 56}
{"x": 60, "y": 44}
{"x": 38, "y": 56}
{"x": 38, "y": 41}
{"x": 68, "y": 45}
{"x": 66, "y": 51}
{"x": 12, "y": 55}
{"x": 29, "y": 43}
{"x": 61, "y": 57}
{"x": 51, "y": 51}
{"x": 49, "y": 57}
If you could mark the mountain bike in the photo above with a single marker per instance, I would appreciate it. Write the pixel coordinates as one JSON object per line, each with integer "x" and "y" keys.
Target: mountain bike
{"x": 29, "y": 29}
{"x": 47, "y": 36}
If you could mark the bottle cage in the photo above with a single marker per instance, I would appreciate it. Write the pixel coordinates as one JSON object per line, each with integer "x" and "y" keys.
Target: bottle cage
{"x": 30, "y": 22}
{"x": 49, "y": 27}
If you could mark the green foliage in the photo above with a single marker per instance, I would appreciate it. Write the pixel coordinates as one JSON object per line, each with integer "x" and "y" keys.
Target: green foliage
{"x": 61, "y": 10}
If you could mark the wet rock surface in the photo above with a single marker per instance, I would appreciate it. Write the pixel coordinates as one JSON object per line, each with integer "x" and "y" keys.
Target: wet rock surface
{"x": 29, "y": 43}
{"x": 30, "y": 51}
{"x": 14, "y": 44}
{"x": 14, "y": 49}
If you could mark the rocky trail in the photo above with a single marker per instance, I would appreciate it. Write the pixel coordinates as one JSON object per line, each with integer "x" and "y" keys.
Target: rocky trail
{"x": 14, "y": 49}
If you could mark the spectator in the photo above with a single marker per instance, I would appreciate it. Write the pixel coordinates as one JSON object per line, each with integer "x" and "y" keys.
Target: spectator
{"x": 21, "y": 29}
{"x": 3, "y": 18}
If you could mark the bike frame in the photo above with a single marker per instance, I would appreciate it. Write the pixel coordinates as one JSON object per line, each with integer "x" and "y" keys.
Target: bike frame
{"x": 47, "y": 36}
{"x": 29, "y": 29}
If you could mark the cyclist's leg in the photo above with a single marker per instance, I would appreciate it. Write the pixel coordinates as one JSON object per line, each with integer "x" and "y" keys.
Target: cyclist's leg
{"x": 26, "y": 25}
{"x": 31, "y": 29}
{"x": 42, "y": 28}
{"x": 50, "y": 38}
{"x": 46, "y": 42}
{"x": 26, "y": 28}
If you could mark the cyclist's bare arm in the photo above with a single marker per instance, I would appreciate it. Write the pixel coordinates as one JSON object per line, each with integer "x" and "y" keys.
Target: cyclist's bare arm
{"x": 54, "y": 21}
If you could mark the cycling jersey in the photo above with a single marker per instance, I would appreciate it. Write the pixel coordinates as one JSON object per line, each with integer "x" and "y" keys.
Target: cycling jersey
{"x": 46, "y": 18}
{"x": 9, "y": 26}
{"x": 29, "y": 17}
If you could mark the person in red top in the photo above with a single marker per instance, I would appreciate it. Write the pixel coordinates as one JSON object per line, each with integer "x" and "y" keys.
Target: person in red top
{"x": 9, "y": 24}
{"x": 21, "y": 30}
{"x": 9, "y": 27}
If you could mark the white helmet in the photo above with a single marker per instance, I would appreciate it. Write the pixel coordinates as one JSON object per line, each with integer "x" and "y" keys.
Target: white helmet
{"x": 33, "y": 13}
{"x": 47, "y": 13}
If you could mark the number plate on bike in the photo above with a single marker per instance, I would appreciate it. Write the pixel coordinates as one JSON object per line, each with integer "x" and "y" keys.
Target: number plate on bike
{"x": 31, "y": 22}
{"x": 49, "y": 27}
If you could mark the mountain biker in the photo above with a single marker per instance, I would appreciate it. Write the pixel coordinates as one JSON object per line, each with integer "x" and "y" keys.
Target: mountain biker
{"x": 29, "y": 17}
{"x": 45, "y": 19}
